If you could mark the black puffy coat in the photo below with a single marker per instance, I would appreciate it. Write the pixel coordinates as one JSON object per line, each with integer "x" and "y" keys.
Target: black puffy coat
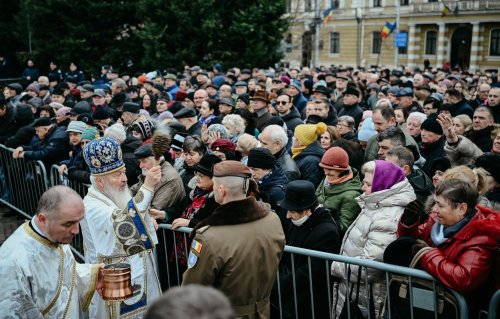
{"x": 319, "y": 233}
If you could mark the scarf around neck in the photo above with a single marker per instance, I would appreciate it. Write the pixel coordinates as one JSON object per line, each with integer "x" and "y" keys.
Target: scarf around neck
{"x": 440, "y": 234}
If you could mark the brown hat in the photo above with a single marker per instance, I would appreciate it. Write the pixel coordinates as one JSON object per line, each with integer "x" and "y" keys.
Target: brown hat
{"x": 336, "y": 159}
{"x": 260, "y": 95}
{"x": 231, "y": 168}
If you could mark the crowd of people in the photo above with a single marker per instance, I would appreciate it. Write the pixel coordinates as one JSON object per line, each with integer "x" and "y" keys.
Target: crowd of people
{"x": 335, "y": 159}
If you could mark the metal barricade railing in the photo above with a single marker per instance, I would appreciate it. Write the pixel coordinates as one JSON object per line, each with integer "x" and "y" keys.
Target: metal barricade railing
{"x": 494, "y": 308}
{"x": 171, "y": 264}
{"x": 23, "y": 182}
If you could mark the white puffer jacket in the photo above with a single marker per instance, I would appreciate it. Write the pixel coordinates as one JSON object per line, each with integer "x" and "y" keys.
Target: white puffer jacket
{"x": 374, "y": 229}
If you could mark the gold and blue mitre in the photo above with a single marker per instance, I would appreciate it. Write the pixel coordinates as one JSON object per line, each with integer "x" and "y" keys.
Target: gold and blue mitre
{"x": 103, "y": 156}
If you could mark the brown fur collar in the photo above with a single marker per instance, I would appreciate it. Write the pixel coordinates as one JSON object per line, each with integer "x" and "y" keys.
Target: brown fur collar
{"x": 234, "y": 213}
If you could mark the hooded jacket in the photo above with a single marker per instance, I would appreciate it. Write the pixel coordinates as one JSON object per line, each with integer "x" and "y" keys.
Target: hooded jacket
{"x": 342, "y": 199}
{"x": 308, "y": 163}
{"x": 466, "y": 261}
{"x": 272, "y": 191}
{"x": 368, "y": 236}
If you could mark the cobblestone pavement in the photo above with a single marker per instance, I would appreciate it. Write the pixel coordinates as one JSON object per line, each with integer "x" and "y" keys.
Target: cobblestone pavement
{"x": 9, "y": 221}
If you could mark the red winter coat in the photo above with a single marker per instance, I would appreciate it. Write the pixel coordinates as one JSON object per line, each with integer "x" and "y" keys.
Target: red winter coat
{"x": 465, "y": 262}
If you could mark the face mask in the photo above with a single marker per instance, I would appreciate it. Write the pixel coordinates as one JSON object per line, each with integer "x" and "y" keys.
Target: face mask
{"x": 300, "y": 221}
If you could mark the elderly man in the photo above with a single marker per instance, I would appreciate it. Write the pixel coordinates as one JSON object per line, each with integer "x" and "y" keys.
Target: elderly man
{"x": 494, "y": 103}
{"x": 200, "y": 96}
{"x": 261, "y": 113}
{"x": 40, "y": 277}
{"x": 50, "y": 145}
{"x": 118, "y": 228}
{"x": 130, "y": 116}
{"x": 187, "y": 117}
{"x": 275, "y": 139}
{"x": 241, "y": 241}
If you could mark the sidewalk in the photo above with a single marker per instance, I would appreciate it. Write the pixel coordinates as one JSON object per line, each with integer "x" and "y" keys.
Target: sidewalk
{"x": 9, "y": 221}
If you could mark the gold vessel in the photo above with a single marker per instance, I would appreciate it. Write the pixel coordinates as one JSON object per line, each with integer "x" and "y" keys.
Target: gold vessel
{"x": 117, "y": 282}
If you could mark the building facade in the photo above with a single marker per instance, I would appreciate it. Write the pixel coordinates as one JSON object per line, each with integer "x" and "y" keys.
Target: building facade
{"x": 455, "y": 33}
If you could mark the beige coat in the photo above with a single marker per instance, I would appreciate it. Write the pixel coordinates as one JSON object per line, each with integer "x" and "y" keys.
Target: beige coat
{"x": 237, "y": 250}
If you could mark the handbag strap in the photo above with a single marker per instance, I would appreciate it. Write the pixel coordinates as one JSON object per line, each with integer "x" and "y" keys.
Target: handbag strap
{"x": 419, "y": 255}
{"x": 359, "y": 284}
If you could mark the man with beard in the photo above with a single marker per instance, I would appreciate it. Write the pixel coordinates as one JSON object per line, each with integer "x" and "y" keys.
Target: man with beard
{"x": 118, "y": 228}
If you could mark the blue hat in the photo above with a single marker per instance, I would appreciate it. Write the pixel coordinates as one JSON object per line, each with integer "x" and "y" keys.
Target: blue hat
{"x": 367, "y": 130}
{"x": 297, "y": 84}
{"x": 405, "y": 92}
{"x": 103, "y": 156}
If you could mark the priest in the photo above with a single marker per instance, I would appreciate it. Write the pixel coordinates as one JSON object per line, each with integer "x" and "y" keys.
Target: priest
{"x": 40, "y": 277}
{"x": 118, "y": 228}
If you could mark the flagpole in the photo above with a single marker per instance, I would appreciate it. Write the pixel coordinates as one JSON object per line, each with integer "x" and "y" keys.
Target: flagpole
{"x": 396, "y": 49}
{"x": 317, "y": 33}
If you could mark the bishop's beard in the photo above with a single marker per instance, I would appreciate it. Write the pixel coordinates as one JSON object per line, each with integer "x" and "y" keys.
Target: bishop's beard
{"x": 119, "y": 196}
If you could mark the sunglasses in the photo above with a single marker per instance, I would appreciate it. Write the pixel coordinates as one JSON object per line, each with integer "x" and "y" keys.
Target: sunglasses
{"x": 282, "y": 102}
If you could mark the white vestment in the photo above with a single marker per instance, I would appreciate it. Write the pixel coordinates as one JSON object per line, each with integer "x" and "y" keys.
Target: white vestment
{"x": 114, "y": 235}
{"x": 40, "y": 279}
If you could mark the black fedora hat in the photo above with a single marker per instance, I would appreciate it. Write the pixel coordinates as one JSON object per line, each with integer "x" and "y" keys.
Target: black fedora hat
{"x": 206, "y": 163}
{"x": 299, "y": 195}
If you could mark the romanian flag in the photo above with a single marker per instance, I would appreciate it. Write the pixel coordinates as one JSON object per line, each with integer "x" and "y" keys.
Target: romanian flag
{"x": 327, "y": 14}
{"x": 446, "y": 10}
{"x": 387, "y": 29}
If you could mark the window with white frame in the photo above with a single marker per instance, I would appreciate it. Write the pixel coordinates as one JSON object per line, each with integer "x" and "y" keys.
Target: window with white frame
{"x": 431, "y": 42}
{"x": 334, "y": 43}
{"x": 495, "y": 42}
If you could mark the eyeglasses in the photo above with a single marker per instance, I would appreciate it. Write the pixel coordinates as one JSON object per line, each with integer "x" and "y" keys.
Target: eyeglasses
{"x": 282, "y": 102}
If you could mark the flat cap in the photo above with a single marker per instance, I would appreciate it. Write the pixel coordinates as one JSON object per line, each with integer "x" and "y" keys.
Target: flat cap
{"x": 227, "y": 101}
{"x": 231, "y": 168}
{"x": 99, "y": 92}
{"x": 405, "y": 92}
{"x": 42, "y": 121}
{"x": 144, "y": 151}
{"x": 241, "y": 83}
{"x": 131, "y": 107}
{"x": 185, "y": 113}
{"x": 170, "y": 76}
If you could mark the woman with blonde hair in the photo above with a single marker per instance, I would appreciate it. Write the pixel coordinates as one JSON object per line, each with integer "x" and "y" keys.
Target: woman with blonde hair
{"x": 474, "y": 177}
{"x": 462, "y": 123}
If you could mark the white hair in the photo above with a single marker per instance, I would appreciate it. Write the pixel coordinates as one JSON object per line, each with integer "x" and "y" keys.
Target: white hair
{"x": 119, "y": 197}
{"x": 276, "y": 133}
{"x": 224, "y": 133}
{"x": 418, "y": 116}
{"x": 116, "y": 131}
{"x": 236, "y": 121}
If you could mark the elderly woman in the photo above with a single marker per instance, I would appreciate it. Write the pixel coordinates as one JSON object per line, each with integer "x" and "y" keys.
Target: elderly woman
{"x": 464, "y": 238}
{"x": 347, "y": 129}
{"x": 413, "y": 124}
{"x": 235, "y": 124}
{"x": 245, "y": 143}
{"x": 339, "y": 189}
{"x": 386, "y": 192}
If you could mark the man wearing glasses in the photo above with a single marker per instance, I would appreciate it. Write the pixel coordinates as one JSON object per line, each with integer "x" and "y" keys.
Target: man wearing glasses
{"x": 288, "y": 113}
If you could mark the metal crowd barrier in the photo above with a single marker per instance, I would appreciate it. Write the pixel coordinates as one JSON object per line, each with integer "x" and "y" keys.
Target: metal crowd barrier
{"x": 494, "y": 309}
{"x": 22, "y": 183}
{"x": 171, "y": 275}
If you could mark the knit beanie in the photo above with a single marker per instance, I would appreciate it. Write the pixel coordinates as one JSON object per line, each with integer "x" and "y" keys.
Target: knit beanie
{"x": 76, "y": 126}
{"x": 146, "y": 128}
{"x": 90, "y": 134}
{"x": 367, "y": 130}
{"x": 63, "y": 111}
{"x": 33, "y": 87}
{"x": 335, "y": 158}
{"x": 431, "y": 124}
{"x": 177, "y": 142}
{"x": 386, "y": 175}
{"x": 261, "y": 157}
{"x": 308, "y": 133}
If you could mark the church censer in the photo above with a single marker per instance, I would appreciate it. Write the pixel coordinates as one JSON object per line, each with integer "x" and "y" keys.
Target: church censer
{"x": 117, "y": 282}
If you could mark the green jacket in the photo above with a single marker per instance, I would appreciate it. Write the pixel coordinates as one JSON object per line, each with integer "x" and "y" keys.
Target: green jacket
{"x": 342, "y": 198}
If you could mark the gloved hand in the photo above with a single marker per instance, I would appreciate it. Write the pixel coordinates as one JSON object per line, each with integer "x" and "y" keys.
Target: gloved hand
{"x": 412, "y": 212}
